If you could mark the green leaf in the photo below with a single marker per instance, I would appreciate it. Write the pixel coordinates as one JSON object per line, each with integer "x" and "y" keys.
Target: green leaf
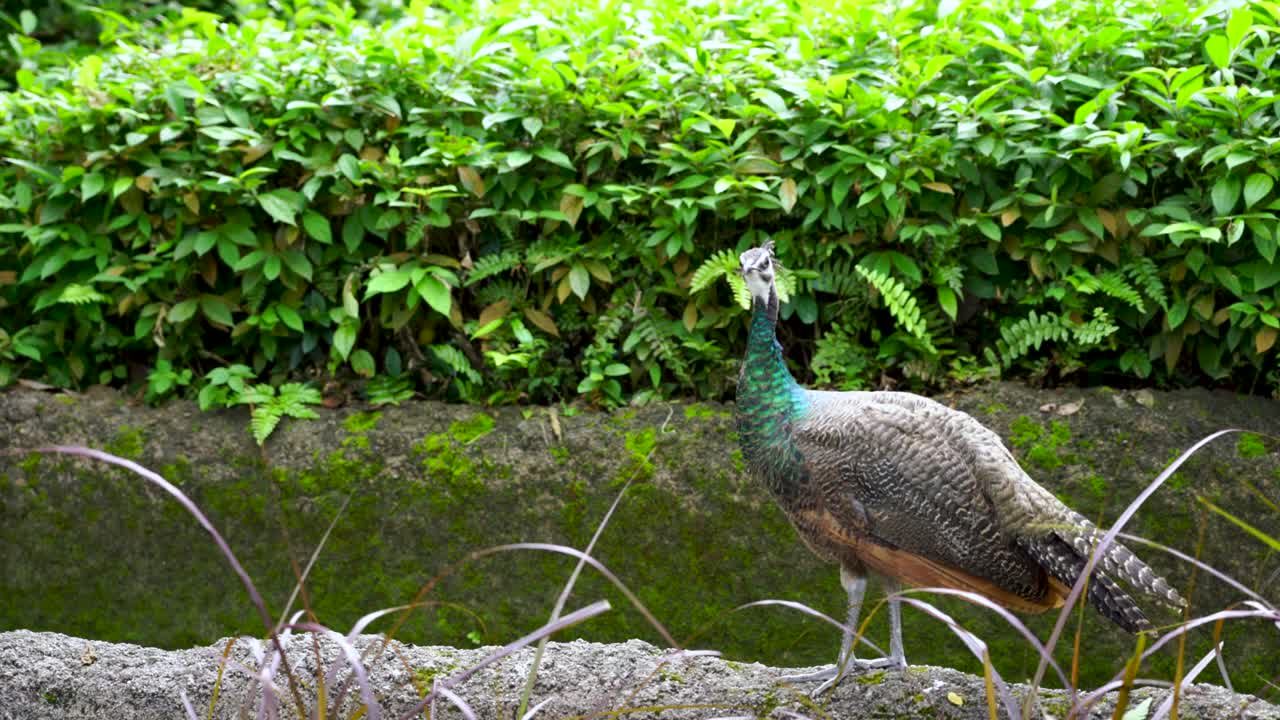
{"x": 28, "y": 20}
{"x": 90, "y": 185}
{"x": 216, "y": 309}
{"x": 183, "y": 311}
{"x": 1238, "y": 27}
{"x": 387, "y": 282}
{"x": 362, "y": 363}
{"x": 298, "y": 263}
{"x": 352, "y": 232}
{"x": 1225, "y": 194}
{"x": 317, "y": 226}
{"x": 1218, "y": 50}
{"x": 349, "y": 166}
{"x": 1266, "y": 244}
{"x": 1256, "y": 188}
{"x": 283, "y": 205}
{"x": 579, "y": 280}
{"x": 983, "y": 259}
{"x": 289, "y": 317}
{"x": 344, "y": 338}
{"x": 554, "y": 156}
{"x": 349, "y": 304}
{"x": 947, "y": 300}
{"x": 435, "y": 293}
{"x": 773, "y": 101}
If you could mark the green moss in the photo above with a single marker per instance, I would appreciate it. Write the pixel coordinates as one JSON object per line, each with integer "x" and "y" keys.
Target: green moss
{"x": 1251, "y": 446}
{"x": 874, "y": 678}
{"x": 362, "y": 422}
{"x": 65, "y": 399}
{"x": 666, "y": 672}
{"x": 177, "y": 472}
{"x": 452, "y": 477}
{"x": 1024, "y": 430}
{"x": 995, "y": 408}
{"x": 698, "y": 411}
{"x": 639, "y": 446}
{"x": 128, "y": 442}
{"x": 29, "y": 463}
{"x": 1046, "y": 449}
{"x": 472, "y": 429}
{"x": 559, "y": 453}
{"x": 1098, "y": 485}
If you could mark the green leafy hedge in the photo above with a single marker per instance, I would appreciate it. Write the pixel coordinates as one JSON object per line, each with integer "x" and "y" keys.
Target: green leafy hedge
{"x": 497, "y": 204}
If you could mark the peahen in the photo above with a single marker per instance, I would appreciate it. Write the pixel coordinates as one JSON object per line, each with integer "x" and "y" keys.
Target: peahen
{"x": 915, "y": 491}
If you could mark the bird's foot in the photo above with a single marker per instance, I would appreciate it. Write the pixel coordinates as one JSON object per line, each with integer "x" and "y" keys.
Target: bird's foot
{"x": 831, "y": 676}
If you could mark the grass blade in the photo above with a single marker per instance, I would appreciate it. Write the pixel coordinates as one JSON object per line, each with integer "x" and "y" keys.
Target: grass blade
{"x": 569, "y": 620}
{"x": 858, "y": 637}
{"x": 1166, "y": 707}
{"x": 457, "y": 701}
{"x": 1107, "y": 539}
{"x": 1130, "y": 674}
{"x": 975, "y": 646}
{"x": 608, "y": 574}
{"x": 1267, "y": 540}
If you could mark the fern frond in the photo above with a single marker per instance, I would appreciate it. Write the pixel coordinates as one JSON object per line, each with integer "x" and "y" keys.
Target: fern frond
{"x": 76, "y": 294}
{"x": 1147, "y": 276}
{"x": 837, "y": 276}
{"x": 257, "y": 394}
{"x": 1096, "y": 330}
{"x": 741, "y": 294}
{"x": 491, "y": 265}
{"x": 724, "y": 262}
{"x": 293, "y": 399}
{"x": 786, "y": 284}
{"x": 416, "y": 231}
{"x": 651, "y": 340}
{"x": 1029, "y": 333}
{"x": 901, "y": 303}
{"x": 501, "y": 289}
{"x": 1112, "y": 283}
{"x": 457, "y": 362}
{"x": 1020, "y": 337}
{"x": 264, "y": 420}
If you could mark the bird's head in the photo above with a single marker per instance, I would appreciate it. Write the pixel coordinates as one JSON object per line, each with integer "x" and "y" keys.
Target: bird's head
{"x": 758, "y": 270}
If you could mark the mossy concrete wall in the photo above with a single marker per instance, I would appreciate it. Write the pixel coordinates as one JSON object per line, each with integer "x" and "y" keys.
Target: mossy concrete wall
{"x": 92, "y": 551}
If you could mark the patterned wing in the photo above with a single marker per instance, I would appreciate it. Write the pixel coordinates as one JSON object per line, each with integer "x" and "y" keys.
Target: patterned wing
{"x": 891, "y": 471}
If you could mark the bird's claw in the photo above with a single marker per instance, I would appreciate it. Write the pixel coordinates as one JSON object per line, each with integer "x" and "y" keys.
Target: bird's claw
{"x": 832, "y": 675}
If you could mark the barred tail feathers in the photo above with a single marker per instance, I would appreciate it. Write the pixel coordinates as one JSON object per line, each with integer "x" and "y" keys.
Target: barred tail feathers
{"x": 1118, "y": 562}
{"x": 1064, "y": 564}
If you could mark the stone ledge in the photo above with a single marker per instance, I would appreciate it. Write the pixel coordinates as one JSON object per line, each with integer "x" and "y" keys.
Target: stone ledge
{"x": 49, "y": 676}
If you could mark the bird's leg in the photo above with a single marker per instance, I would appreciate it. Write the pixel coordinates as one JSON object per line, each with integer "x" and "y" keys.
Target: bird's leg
{"x": 855, "y": 584}
{"x": 897, "y": 656}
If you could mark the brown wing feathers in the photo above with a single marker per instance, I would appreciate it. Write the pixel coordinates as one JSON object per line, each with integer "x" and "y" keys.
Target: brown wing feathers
{"x": 896, "y": 488}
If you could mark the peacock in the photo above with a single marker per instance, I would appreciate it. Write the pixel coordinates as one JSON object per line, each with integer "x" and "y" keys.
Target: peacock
{"x": 917, "y": 492}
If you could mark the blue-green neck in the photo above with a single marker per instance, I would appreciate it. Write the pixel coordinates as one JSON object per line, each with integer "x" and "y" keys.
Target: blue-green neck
{"x": 769, "y": 402}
